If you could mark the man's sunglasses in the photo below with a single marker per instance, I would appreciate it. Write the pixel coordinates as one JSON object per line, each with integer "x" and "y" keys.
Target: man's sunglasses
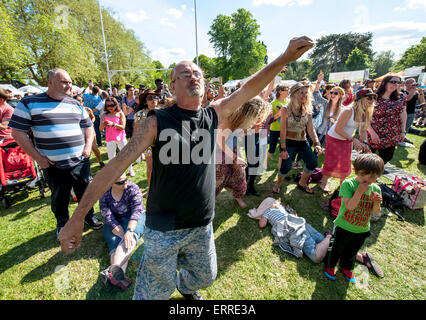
{"x": 120, "y": 183}
{"x": 395, "y": 82}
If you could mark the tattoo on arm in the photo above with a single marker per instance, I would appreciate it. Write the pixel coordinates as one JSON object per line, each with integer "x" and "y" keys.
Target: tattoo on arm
{"x": 143, "y": 136}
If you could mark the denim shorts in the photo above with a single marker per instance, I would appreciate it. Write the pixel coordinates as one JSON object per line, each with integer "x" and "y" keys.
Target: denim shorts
{"x": 113, "y": 241}
{"x": 312, "y": 239}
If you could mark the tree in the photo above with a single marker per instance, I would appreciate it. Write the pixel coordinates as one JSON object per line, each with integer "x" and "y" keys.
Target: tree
{"x": 413, "y": 56}
{"x": 234, "y": 39}
{"x": 297, "y": 70}
{"x": 357, "y": 60}
{"x": 332, "y": 51}
{"x": 66, "y": 34}
{"x": 206, "y": 64}
{"x": 382, "y": 62}
{"x": 12, "y": 52}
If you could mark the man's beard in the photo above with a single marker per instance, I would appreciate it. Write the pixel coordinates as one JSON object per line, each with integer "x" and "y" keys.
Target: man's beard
{"x": 194, "y": 90}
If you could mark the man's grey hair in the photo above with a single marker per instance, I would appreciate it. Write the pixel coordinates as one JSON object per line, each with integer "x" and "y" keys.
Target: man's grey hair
{"x": 52, "y": 73}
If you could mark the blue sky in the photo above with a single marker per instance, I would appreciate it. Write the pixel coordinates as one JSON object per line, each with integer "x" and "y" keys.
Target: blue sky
{"x": 167, "y": 27}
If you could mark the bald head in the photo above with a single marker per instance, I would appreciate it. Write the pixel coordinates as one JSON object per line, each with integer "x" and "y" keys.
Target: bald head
{"x": 59, "y": 84}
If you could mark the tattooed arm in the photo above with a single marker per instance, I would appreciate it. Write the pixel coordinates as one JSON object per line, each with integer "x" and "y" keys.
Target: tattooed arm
{"x": 143, "y": 137}
{"x": 296, "y": 48}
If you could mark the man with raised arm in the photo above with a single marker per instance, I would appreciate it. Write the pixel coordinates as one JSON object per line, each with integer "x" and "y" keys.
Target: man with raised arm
{"x": 180, "y": 206}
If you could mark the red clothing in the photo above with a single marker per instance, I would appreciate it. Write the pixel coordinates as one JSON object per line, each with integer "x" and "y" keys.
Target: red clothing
{"x": 6, "y": 113}
{"x": 386, "y": 122}
{"x": 349, "y": 99}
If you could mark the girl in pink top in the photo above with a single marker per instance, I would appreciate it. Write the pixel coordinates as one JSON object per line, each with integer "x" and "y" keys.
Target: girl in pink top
{"x": 114, "y": 123}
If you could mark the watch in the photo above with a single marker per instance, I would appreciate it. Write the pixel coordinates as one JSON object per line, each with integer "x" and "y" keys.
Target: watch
{"x": 130, "y": 229}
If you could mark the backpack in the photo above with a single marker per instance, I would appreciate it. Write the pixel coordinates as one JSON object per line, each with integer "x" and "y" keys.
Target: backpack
{"x": 392, "y": 200}
{"x": 334, "y": 203}
{"x": 316, "y": 176}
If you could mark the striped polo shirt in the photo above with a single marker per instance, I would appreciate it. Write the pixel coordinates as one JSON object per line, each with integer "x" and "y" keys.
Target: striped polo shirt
{"x": 56, "y": 126}
{"x": 275, "y": 215}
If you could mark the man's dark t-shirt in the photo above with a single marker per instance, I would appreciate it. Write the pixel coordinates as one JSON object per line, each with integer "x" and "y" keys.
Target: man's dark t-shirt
{"x": 411, "y": 105}
{"x": 182, "y": 193}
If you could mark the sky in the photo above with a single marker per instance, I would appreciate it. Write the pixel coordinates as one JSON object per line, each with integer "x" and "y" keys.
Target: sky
{"x": 167, "y": 27}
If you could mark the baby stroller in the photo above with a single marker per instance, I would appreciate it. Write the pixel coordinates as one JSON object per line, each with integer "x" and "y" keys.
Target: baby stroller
{"x": 18, "y": 171}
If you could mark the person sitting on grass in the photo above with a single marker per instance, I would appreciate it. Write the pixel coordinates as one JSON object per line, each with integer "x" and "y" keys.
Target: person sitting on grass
{"x": 315, "y": 244}
{"x": 361, "y": 198}
{"x": 122, "y": 210}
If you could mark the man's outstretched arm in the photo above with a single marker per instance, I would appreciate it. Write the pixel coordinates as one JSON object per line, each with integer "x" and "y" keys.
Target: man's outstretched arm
{"x": 143, "y": 137}
{"x": 296, "y": 48}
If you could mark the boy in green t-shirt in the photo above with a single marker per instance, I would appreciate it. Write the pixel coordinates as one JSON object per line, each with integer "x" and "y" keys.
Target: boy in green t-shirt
{"x": 361, "y": 198}
{"x": 274, "y": 130}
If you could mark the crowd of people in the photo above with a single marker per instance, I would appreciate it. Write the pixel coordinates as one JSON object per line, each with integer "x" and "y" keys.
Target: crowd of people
{"x": 302, "y": 121}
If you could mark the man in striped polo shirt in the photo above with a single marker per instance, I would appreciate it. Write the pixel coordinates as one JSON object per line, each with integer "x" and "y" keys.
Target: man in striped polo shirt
{"x": 63, "y": 136}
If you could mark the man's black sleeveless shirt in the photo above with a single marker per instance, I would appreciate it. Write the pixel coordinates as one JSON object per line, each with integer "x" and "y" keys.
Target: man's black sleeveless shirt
{"x": 182, "y": 193}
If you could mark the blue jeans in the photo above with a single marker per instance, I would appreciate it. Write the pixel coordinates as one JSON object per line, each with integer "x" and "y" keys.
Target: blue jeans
{"x": 113, "y": 241}
{"x": 307, "y": 155}
{"x": 191, "y": 250}
{"x": 313, "y": 237}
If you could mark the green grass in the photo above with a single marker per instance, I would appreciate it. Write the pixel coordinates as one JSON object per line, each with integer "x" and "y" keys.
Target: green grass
{"x": 249, "y": 265}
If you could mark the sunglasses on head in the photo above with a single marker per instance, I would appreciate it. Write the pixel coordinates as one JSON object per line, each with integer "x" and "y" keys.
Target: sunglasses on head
{"x": 395, "y": 82}
{"x": 120, "y": 183}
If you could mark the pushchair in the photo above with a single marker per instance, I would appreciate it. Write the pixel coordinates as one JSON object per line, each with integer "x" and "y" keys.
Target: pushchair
{"x": 18, "y": 171}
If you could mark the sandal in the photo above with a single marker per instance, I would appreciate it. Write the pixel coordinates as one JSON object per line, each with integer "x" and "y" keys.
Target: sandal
{"x": 276, "y": 189}
{"x": 375, "y": 268}
{"x": 305, "y": 189}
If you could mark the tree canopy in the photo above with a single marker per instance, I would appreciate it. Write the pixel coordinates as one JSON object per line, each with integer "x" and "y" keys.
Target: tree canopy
{"x": 413, "y": 56}
{"x": 46, "y": 34}
{"x": 234, "y": 39}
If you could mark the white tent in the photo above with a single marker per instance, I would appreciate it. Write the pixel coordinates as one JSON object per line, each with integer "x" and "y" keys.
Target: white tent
{"x": 231, "y": 83}
{"x": 31, "y": 89}
{"x": 12, "y": 88}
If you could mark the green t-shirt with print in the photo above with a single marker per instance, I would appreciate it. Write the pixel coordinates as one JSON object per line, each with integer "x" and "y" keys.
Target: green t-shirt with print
{"x": 276, "y": 107}
{"x": 357, "y": 220}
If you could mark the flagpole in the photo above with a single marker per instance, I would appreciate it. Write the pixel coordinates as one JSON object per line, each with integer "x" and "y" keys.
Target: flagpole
{"x": 103, "y": 36}
{"x": 196, "y": 33}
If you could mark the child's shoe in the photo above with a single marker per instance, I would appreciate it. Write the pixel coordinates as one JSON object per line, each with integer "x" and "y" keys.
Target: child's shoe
{"x": 329, "y": 273}
{"x": 348, "y": 275}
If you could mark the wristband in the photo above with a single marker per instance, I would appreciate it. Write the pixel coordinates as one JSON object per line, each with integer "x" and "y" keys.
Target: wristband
{"x": 404, "y": 132}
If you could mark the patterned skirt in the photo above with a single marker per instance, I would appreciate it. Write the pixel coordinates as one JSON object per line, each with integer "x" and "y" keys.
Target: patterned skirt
{"x": 337, "y": 158}
{"x": 232, "y": 178}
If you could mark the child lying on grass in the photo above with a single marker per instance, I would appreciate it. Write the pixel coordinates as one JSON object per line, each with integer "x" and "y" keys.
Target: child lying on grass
{"x": 300, "y": 236}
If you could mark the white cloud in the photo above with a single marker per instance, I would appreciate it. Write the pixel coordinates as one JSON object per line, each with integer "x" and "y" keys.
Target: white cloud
{"x": 174, "y": 13}
{"x": 137, "y": 17}
{"x": 399, "y": 9}
{"x": 413, "y": 4}
{"x": 397, "y": 44}
{"x": 282, "y": 3}
{"x": 168, "y": 56}
{"x": 392, "y": 26}
{"x": 167, "y": 22}
{"x": 183, "y": 7}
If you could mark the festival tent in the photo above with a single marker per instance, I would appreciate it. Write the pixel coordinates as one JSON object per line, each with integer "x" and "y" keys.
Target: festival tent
{"x": 12, "y": 88}
{"x": 31, "y": 89}
{"x": 399, "y": 74}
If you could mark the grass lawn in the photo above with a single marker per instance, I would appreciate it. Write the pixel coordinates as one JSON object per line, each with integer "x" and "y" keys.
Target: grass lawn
{"x": 249, "y": 265}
